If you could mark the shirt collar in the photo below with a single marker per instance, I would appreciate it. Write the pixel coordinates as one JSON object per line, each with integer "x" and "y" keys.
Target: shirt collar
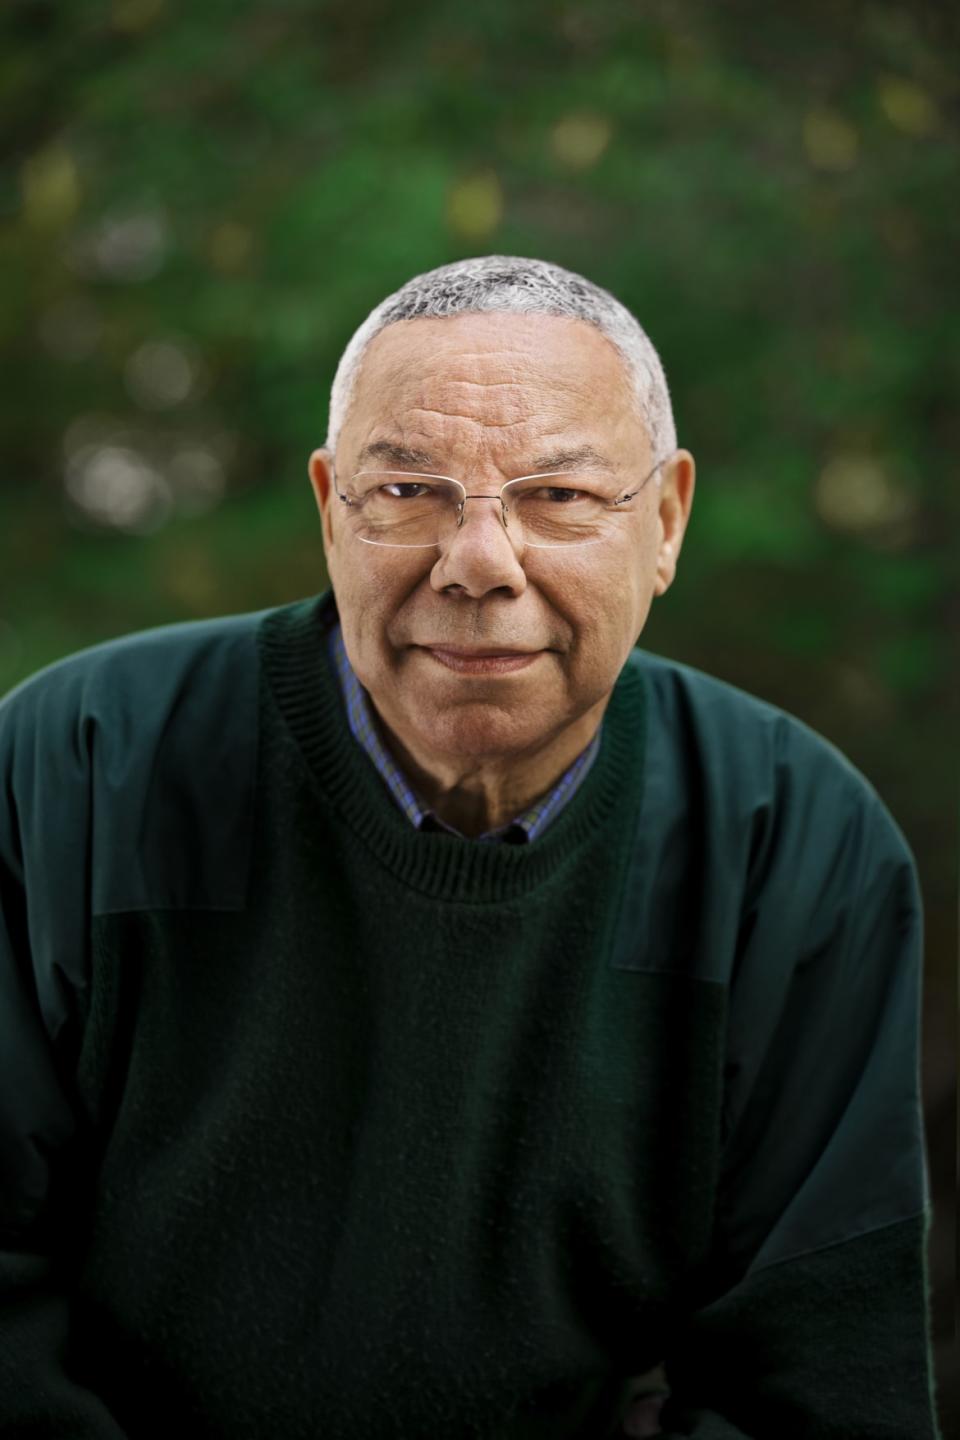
{"x": 360, "y": 717}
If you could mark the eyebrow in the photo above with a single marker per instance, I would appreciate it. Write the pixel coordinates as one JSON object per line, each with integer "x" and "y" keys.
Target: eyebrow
{"x": 554, "y": 460}
{"x": 571, "y": 460}
{"x": 395, "y": 453}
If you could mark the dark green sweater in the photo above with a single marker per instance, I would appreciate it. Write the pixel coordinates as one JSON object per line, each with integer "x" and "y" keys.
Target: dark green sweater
{"x": 316, "y": 1126}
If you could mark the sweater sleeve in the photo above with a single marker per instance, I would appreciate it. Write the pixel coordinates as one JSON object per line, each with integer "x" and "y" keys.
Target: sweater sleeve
{"x": 43, "y": 879}
{"x": 813, "y": 1321}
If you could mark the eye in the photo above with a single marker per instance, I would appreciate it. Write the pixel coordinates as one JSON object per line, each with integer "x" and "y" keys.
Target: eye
{"x": 406, "y": 489}
{"x": 553, "y": 489}
{"x": 560, "y": 494}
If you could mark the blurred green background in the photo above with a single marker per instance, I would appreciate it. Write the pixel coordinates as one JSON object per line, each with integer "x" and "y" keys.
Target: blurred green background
{"x": 201, "y": 202}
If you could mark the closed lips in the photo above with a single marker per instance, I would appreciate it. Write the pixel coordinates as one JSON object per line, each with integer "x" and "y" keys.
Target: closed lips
{"x": 482, "y": 662}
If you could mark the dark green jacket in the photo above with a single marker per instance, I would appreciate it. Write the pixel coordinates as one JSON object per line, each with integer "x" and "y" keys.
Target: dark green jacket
{"x": 313, "y": 1125}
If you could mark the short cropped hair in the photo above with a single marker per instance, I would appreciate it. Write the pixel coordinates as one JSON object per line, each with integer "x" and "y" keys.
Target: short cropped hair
{"x": 511, "y": 284}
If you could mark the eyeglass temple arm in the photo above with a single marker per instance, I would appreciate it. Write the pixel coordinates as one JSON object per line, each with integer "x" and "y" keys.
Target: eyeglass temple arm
{"x": 648, "y": 476}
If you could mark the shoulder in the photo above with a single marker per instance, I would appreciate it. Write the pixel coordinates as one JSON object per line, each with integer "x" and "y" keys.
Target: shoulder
{"x": 130, "y": 677}
{"x": 135, "y": 750}
{"x": 736, "y": 744}
{"x": 747, "y": 806}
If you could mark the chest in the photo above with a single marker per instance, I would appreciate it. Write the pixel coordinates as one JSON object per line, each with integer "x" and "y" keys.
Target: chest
{"x": 393, "y": 1130}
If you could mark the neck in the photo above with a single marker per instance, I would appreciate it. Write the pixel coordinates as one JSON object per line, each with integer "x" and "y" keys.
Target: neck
{"x": 476, "y": 794}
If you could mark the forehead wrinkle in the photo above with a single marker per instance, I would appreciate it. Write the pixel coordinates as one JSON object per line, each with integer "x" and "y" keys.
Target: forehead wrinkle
{"x": 500, "y": 407}
{"x": 524, "y": 385}
{"x": 421, "y": 354}
{"x": 471, "y": 419}
{"x": 436, "y": 375}
{"x": 524, "y": 423}
{"x": 486, "y": 384}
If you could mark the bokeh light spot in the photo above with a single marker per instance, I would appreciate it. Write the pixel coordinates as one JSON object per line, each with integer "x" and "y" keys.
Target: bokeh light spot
{"x": 857, "y": 494}
{"x": 831, "y": 143}
{"x": 116, "y": 486}
{"x": 907, "y": 106}
{"x": 51, "y": 187}
{"x": 159, "y": 374}
{"x": 579, "y": 140}
{"x": 475, "y": 206}
{"x": 124, "y": 247}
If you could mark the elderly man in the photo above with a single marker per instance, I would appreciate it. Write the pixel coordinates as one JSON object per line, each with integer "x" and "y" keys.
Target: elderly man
{"x": 426, "y": 1013}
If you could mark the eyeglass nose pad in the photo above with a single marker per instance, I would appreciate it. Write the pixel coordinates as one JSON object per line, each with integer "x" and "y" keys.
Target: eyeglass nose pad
{"x": 461, "y": 510}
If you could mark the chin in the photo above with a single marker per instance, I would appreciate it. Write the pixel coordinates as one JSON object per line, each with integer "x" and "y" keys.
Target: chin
{"x": 480, "y": 731}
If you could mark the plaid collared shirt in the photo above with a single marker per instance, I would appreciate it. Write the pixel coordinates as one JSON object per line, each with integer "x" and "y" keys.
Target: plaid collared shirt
{"x": 524, "y": 828}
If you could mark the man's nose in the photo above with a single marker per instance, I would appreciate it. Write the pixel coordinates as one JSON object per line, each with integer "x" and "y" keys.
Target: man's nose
{"x": 479, "y": 555}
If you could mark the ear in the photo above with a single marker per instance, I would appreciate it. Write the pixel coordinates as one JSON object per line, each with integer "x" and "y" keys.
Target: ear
{"x": 676, "y": 500}
{"x": 320, "y": 470}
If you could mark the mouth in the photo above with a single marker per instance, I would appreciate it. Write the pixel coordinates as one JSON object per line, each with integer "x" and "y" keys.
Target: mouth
{"x": 481, "y": 661}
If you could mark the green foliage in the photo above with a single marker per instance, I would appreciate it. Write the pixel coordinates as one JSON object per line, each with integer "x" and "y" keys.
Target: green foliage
{"x": 204, "y": 201}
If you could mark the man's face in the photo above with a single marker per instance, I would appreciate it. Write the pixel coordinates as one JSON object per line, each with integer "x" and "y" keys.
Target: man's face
{"x": 487, "y": 398}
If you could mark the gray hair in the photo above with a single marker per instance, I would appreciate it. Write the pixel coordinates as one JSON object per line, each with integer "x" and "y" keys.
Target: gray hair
{"x": 511, "y": 284}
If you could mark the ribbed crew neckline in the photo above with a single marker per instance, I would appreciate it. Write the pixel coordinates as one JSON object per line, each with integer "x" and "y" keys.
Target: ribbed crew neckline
{"x": 293, "y": 645}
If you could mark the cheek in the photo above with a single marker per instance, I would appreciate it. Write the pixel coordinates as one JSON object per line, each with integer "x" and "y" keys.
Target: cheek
{"x": 372, "y": 590}
{"x": 632, "y": 595}
{"x": 603, "y": 605}
{"x": 614, "y": 622}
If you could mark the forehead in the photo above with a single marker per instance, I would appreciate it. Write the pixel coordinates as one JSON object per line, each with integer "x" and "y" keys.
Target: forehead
{"x": 492, "y": 383}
